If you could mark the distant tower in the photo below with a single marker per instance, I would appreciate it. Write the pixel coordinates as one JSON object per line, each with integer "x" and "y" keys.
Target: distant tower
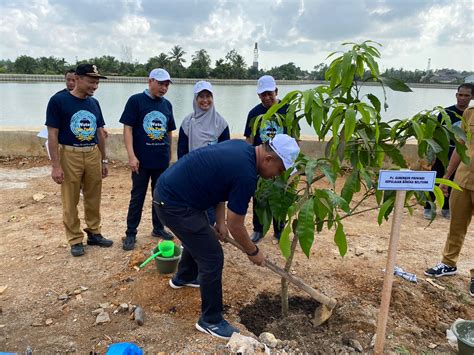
{"x": 255, "y": 57}
{"x": 428, "y": 67}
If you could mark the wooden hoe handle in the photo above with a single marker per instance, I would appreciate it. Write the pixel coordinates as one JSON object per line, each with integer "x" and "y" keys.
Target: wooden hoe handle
{"x": 318, "y": 296}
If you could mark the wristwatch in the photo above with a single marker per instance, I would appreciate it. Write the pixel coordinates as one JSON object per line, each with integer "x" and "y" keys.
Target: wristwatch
{"x": 255, "y": 252}
{"x": 105, "y": 161}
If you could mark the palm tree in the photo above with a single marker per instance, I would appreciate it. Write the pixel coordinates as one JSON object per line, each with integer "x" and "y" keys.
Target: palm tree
{"x": 176, "y": 55}
{"x": 161, "y": 61}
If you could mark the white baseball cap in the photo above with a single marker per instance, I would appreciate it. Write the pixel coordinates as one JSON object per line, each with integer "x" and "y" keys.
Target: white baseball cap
{"x": 286, "y": 148}
{"x": 160, "y": 74}
{"x": 266, "y": 83}
{"x": 203, "y": 85}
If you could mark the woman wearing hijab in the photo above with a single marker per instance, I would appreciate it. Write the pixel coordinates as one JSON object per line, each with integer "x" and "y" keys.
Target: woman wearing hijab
{"x": 203, "y": 127}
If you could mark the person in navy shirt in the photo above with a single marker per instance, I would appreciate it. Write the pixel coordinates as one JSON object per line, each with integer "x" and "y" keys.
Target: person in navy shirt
{"x": 70, "y": 79}
{"x": 76, "y": 141}
{"x": 148, "y": 124}
{"x": 464, "y": 96}
{"x": 206, "y": 177}
{"x": 203, "y": 127}
{"x": 267, "y": 93}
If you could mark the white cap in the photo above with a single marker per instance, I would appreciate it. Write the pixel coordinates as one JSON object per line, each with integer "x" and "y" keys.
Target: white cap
{"x": 160, "y": 74}
{"x": 266, "y": 83}
{"x": 203, "y": 85}
{"x": 286, "y": 148}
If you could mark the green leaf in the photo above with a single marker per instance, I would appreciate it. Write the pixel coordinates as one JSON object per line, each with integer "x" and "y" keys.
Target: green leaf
{"x": 351, "y": 186}
{"x": 320, "y": 206}
{"x": 372, "y": 64}
{"x": 435, "y": 146}
{"x": 272, "y": 110}
{"x": 360, "y": 67}
{"x": 383, "y": 210}
{"x": 394, "y": 84}
{"x": 307, "y": 98}
{"x": 378, "y": 196}
{"x": 280, "y": 199}
{"x": 328, "y": 172}
{"x": 305, "y": 227}
{"x": 418, "y": 131}
{"x": 439, "y": 196}
{"x": 337, "y": 201}
{"x": 309, "y": 170}
{"x": 448, "y": 183}
{"x": 461, "y": 149}
{"x": 349, "y": 79}
{"x": 285, "y": 243}
{"x": 317, "y": 117}
{"x": 395, "y": 155}
{"x": 365, "y": 113}
{"x": 460, "y": 133}
{"x": 349, "y": 123}
{"x": 340, "y": 239}
{"x": 374, "y": 101}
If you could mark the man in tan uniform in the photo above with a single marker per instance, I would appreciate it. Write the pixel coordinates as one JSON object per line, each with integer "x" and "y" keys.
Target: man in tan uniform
{"x": 76, "y": 141}
{"x": 461, "y": 205}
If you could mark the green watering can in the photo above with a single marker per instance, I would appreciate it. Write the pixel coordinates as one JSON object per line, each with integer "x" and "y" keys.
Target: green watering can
{"x": 165, "y": 249}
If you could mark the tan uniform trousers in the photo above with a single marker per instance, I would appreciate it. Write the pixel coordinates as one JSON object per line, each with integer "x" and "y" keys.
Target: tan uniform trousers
{"x": 462, "y": 209}
{"x": 81, "y": 168}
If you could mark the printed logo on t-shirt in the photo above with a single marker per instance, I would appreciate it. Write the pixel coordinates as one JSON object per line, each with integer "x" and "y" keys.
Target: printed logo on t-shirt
{"x": 83, "y": 125}
{"x": 270, "y": 130}
{"x": 155, "y": 125}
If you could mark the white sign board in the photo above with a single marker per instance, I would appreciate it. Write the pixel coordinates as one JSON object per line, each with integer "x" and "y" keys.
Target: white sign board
{"x": 406, "y": 180}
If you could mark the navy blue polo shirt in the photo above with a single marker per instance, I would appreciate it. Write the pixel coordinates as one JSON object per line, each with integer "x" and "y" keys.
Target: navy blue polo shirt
{"x": 452, "y": 111}
{"x": 206, "y": 176}
{"x": 270, "y": 129}
{"x": 77, "y": 119}
{"x": 151, "y": 120}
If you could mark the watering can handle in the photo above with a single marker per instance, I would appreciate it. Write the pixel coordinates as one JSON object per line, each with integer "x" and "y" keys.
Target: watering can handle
{"x": 150, "y": 259}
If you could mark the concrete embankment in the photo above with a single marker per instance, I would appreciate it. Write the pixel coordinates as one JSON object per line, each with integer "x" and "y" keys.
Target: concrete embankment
{"x": 33, "y": 78}
{"x": 25, "y": 143}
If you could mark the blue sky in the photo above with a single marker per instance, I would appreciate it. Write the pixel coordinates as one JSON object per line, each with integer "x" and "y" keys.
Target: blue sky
{"x": 299, "y": 31}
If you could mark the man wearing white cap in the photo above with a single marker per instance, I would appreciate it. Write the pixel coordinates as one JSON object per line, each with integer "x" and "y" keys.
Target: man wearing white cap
{"x": 148, "y": 123}
{"x": 206, "y": 177}
{"x": 267, "y": 92}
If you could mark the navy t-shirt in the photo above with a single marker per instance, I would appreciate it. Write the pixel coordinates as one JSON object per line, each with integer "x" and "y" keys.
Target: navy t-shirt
{"x": 151, "y": 120}
{"x": 451, "y": 111}
{"x": 77, "y": 119}
{"x": 206, "y": 176}
{"x": 269, "y": 130}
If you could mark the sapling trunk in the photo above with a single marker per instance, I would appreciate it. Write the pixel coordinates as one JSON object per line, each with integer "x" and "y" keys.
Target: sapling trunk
{"x": 284, "y": 282}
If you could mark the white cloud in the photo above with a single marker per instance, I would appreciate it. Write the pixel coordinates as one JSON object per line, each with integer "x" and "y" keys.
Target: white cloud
{"x": 299, "y": 31}
{"x": 132, "y": 25}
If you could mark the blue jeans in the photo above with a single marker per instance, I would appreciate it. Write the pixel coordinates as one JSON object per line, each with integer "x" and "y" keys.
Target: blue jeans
{"x": 140, "y": 183}
{"x": 202, "y": 257}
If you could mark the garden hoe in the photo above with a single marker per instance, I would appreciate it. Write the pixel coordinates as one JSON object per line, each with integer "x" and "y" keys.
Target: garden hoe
{"x": 327, "y": 304}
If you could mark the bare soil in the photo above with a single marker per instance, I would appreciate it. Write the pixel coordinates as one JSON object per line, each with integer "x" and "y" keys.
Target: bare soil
{"x": 50, "y": 295}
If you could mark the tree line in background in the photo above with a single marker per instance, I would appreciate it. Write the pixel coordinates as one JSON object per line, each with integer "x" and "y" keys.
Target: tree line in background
{"x": 232, "y": 66}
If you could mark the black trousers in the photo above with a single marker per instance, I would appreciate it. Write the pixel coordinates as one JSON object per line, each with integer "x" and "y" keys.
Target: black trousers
{"x": 140, "y": 183}
{"x": 202, "y": 257}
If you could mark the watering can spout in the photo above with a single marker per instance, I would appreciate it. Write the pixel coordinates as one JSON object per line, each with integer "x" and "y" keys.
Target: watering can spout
{"x": 165, "y": 250}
